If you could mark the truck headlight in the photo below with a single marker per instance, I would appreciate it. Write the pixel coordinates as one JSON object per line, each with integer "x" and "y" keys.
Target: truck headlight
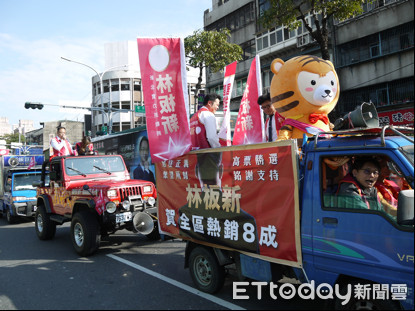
{"x": 19, "y": 198}
{"x": 151, "y": 201}
{"x": 112, "y": 193}
{"x": 111, "y": 207}
{"x": 126, "y": 204}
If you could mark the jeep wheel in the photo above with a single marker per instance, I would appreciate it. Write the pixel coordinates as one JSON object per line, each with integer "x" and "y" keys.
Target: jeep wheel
{"x": 45, "y": 227}
{"x": 85, "y": 233}
{"x": 207, "y": 275}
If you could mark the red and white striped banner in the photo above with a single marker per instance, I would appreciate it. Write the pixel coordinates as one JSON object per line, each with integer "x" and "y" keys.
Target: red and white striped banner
{"x": 164, "y": 82}
{"x": 249, "y": 127}
{"x": 225, "y": 130}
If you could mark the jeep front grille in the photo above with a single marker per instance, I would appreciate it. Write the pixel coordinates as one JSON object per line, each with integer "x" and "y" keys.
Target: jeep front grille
{"x": 130, "y": 191}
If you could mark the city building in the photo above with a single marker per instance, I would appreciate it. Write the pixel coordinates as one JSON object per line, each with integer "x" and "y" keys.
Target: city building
{"x": 23, "y": 127}
{"x": 373, "y": 53}
{"x": 122, "y": 91}
{"x": 5, "y": 127}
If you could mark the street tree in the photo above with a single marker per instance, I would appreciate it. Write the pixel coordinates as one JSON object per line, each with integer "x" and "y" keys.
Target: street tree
{"x": 291, "y": 13}
{"x": 13, "y": 138}
{"x": 210, "y": 49}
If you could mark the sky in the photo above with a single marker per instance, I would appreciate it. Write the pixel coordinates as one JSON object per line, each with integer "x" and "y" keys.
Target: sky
{"x": 34, "y": 35}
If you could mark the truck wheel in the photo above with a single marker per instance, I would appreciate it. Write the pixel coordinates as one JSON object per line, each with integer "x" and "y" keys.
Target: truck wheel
{"x": 45, "y": 227}
{"x": 207, "y": 275}
{"x": 85, "y": 233}
{"x": 10, "y": 218}
{"x": 364, "y": 304}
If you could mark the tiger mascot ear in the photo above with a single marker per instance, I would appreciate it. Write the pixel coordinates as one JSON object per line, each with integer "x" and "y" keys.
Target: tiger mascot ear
{"x": 276, "y": 65}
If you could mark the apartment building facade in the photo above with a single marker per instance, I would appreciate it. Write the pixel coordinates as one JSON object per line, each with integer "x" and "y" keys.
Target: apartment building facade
{"x": 373, "y": 53}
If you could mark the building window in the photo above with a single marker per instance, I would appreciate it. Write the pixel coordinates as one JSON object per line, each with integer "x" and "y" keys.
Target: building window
{"x": 265, "y": 42}
{"x": 386, "y": 42}
{"x": 115, "y": 86}
{"x": 236, "y": 20}
{"x": 248, "y": 49}
{"x": 391, "y": 93}
{"x": 106, "y": 87}
{"x": 137, "y": 86}
{"x": 125, "y": 85}
{"x": 125, "y": 105}
{"x": 374, "y": 51}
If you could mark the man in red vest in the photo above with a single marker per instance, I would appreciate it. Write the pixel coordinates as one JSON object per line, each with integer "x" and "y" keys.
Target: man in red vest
{"x": 60, "y": 144}
{"x": 274, "y": 120}
{"x": 203, "y": 131}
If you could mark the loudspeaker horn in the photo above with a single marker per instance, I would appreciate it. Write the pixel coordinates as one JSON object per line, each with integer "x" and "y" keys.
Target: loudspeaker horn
{"x": 13, "y": 162}
{"x": 143, "y": 223}
{"x": 364, "y": 115}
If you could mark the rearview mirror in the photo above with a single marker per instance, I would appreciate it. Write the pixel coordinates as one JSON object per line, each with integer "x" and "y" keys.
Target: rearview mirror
{"x": 406, "y": 207}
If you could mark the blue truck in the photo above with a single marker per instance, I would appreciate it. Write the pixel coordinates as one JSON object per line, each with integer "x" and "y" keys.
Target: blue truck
{"x": 17, "y": 193}
{"x": 360, "y": 258}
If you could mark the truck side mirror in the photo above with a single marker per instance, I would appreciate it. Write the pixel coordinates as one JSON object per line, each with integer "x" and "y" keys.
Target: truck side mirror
{"x": 406, "y": 207}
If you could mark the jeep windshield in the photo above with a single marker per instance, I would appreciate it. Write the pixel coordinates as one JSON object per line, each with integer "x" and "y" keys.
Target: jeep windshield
{"x": 24, "y": 181}
{"x": 93, "y": 165}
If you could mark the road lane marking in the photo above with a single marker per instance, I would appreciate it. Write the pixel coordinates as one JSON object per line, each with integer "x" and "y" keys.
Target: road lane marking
{"x": 185, "y": 287}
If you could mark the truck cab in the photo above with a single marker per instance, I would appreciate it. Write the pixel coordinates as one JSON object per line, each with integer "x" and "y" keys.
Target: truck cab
{"x": 346, "y": 245}
{"x": 17, "y": 193}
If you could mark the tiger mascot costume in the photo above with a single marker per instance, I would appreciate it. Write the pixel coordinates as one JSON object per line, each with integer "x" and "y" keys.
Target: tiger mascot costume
{"x": 304, "y": 90}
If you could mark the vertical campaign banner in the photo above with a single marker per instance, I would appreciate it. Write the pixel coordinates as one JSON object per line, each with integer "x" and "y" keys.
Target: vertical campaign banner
{"x": 249, "y": 128}
{"x": 163, "y": 76}
{"x": 225, "y": 130}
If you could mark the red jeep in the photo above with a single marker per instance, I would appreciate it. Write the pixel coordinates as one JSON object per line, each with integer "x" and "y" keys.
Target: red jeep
{"x": 96, "y": 194}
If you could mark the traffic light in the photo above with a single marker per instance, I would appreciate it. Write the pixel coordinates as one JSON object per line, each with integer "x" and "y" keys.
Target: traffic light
{"x": 28, "y": 105}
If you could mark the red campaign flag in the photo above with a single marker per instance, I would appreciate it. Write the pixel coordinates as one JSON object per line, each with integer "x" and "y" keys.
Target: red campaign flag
{"x": 225, "y": 130}
{"x": 32, "y": 163}
{"x": 100, "y": 203}
{"x": 249, "y": 128}
{"x": 164, "y": 80}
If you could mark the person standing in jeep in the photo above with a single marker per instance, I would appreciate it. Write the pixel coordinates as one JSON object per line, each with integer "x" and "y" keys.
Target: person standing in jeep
{"x": 60, "y": 144}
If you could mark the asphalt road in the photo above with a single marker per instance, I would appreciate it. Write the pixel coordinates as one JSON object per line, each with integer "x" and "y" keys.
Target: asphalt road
{"x": 129, "y": 271}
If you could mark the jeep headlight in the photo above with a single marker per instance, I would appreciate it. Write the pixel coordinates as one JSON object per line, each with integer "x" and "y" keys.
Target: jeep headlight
{"x": 112, "y": 193}
{"x": 126, "y": 204}
{"x": 151, "y": 201}
{"x": 147, "y": 189}
{"x": 111, "y": 207}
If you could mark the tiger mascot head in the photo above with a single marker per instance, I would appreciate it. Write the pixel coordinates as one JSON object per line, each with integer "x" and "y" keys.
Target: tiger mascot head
{"x": 304, "y": 90}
